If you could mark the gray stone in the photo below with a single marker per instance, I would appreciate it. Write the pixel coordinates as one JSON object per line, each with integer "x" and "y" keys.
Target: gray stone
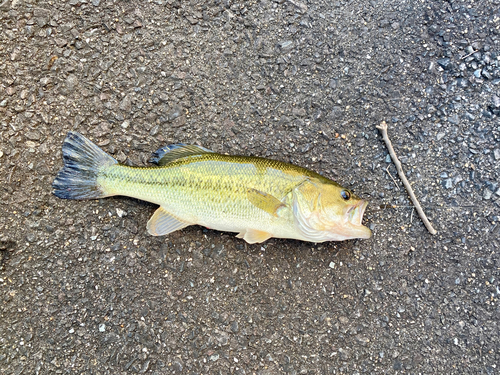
{"x": 454, "y": 119}
{"x": 286, "y": 45}
{"x": 71, "y": 82}
{"x": 126, "y": 103}
{"x": 495, "y": 100}
{"x": 45, "y": 81}
{"x": 487, "y": 193}
{"x": 445, "y": 63}
{"x": 174, "y": 113}
{"x": 462, "y": 82}
{"x": 470, "y": 116}
{"x": 177, "y": 366}
{"x": 496, "y": 153}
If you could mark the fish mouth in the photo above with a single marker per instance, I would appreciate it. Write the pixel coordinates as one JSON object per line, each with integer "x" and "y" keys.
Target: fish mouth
{"x": 355, "y": 214}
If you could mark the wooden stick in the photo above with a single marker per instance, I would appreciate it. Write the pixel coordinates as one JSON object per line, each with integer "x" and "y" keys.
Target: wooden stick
{"x": 383, "y": 129}
{"x": 392, "y": 178}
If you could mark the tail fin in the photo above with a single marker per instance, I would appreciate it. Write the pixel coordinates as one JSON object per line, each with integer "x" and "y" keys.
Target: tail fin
{"x": 83, "y": 161}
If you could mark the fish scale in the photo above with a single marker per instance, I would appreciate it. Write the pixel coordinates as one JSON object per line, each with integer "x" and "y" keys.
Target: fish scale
{"x": 205, "y": 186}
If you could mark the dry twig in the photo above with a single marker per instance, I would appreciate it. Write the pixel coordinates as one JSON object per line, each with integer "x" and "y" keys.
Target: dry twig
{"x": 383, "y": 129}
{"x": 392, "y": 178}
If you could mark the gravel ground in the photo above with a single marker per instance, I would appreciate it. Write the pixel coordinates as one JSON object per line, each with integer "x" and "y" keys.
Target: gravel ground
{"x": 84, "y": 288}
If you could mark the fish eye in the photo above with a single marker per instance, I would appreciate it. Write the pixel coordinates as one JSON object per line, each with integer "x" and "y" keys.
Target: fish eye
{"x": 346, "y": 195}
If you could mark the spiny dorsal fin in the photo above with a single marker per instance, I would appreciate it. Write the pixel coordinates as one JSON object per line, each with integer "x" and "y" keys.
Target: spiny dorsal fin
{"x": 265, "y": 201}
{"x": 167, "y": 154}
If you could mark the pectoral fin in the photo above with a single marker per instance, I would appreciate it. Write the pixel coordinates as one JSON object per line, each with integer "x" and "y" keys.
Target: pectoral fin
{"x": 264, "y": 201}
{"x": 254, "y": 236}
{"x": 162, "y": 223}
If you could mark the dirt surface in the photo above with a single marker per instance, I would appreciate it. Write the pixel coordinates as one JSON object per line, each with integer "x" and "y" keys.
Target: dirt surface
{"x": 84, "y": 288}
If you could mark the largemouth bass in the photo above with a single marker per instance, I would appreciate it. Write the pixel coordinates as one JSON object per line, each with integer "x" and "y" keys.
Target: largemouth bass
{"x": 257, "y": 198}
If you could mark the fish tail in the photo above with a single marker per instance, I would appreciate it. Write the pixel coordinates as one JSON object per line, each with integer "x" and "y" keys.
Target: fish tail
{"x": 83, "y": 162}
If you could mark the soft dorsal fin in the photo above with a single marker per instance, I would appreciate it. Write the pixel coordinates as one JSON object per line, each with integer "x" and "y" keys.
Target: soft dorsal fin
{"x": 265, "y": 201}
{"x": 167, "y": 154}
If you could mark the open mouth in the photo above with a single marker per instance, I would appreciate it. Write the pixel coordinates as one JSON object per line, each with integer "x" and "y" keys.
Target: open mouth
{"x": 356, "y": 212}
{"x": 353, "y": 227}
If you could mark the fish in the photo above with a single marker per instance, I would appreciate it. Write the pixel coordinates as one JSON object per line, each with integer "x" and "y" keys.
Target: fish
{"x": 255, "y": 197}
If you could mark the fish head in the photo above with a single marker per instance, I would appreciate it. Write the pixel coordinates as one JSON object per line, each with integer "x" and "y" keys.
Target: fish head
{"x": 325, "y": 211}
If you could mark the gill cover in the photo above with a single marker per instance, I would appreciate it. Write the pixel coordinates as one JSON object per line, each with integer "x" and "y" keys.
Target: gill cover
{"x": 306, "y": 202}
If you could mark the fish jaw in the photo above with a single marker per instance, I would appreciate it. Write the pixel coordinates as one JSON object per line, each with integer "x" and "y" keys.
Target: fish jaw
{"x": 354, "y": 228}
{"x": 355, "y": 213}
{"x": 357, "y": 231}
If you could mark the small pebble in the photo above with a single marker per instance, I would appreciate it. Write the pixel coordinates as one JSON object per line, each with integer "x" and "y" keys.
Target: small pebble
{"x": 487, "y": 194}
{"x": 121, "y": 157}
{"x": 174, "y": 113}
{"x": 462, "y": 83}
{"x": 496, "y": 101}
{"x": 177, "y": 366}
{"x": 126, "y": 104}
{"x": 445, "y": 63}
{"x": 288, "y": 44}
{"x": 154, "y": 130}
{"x": 496, "y": 152}
{"x": 470, "y": 116}
{"x": 45, "y": 81}
{"x": 454, "y": 119}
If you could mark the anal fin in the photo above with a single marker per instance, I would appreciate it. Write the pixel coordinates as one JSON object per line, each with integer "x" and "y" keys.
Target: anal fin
{"x": 163, "y": 222}
{"x": 254, "y": 235}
